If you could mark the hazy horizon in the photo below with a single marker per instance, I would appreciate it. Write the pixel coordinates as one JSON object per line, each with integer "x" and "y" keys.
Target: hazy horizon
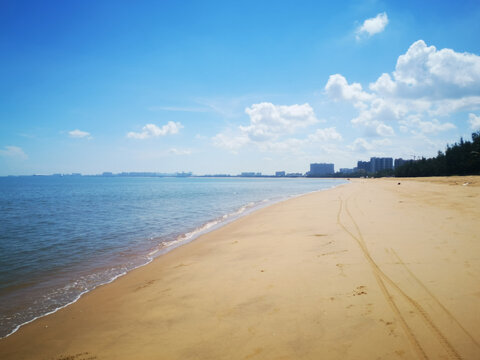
{"x": 229, "y": 87}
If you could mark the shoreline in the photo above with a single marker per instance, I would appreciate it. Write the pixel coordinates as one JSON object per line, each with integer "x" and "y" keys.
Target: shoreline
{"x": 301, "y": 278}
{"x": 181, "y": 240}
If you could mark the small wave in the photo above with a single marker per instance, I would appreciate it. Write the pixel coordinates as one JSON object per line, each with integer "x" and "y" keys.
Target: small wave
{"x": 77, "y": 297}
{"x": 166, "y": 246}
{"x": 153, "y": 252}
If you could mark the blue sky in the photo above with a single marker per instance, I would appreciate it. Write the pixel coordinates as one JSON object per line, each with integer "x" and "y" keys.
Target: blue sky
{"x": 232, "y": 86}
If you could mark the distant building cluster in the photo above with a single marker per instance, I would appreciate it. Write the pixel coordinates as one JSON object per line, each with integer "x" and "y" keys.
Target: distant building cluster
{"x": 146, "y": 174}
{"x": 251, "y": 174}
{"x": 285, "y": 174}
{"x": 375, "y": 164}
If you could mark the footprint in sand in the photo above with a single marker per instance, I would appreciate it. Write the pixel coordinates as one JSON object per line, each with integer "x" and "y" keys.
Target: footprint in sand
{"x": 340, "y": 266}
{"x": 80, "y": 356}
{"x": 146, "y": 284}
{"x": 360, "y": 290}
{"x": 390, "y": 326}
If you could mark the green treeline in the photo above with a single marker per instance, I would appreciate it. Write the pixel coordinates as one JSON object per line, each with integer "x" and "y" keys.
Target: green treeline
{"x": 462, "y": 158}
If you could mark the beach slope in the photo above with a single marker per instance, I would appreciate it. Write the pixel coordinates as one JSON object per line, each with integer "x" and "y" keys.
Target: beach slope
{"x": 375, "y": 269}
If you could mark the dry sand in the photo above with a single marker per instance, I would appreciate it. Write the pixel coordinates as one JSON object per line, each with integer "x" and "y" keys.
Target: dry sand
{"x": 369, "y": 270}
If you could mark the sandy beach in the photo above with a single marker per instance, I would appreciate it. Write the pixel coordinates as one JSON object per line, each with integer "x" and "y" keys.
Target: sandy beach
{"x": 375, "y": 269}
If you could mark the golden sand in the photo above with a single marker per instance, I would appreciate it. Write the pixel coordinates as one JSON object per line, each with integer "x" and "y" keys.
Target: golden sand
{"x": 369, "y": 270}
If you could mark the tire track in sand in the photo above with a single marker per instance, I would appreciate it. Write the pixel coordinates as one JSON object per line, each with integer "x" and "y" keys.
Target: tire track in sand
{"x": 447, "y": 312}
{"x": 451, "y": 351}
{"x": 388, "y": 297}
{"x": 421, "y": 311}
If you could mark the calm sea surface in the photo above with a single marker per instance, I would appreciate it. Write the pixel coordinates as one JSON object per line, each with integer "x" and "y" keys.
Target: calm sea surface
{"x": 63, "y": 236}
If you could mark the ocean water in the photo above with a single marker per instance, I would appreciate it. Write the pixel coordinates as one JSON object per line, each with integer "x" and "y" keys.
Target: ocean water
{"x": 63, "y": 236}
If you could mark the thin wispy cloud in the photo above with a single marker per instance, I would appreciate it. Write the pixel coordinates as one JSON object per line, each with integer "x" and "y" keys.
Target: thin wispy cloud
{"x": 229, "y": 107}
{"x": 372, "y": 26}
{"x": 13, "y": 152}
{"x": 28, "y": 136}
{"x": 79, "y": 134}
{"x": 152, "y": 130}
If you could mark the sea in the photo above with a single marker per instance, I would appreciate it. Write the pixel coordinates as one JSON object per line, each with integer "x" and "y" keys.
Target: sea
{"x": 61, "y": 237}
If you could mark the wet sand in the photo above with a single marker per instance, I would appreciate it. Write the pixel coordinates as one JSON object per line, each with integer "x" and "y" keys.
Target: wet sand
{"x": 368, "y": 270}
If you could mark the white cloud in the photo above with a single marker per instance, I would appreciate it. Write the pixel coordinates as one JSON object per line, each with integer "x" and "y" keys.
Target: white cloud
{"x": 384, "y": 130}
{"x": 337, "y": 88}
{"x": 449, "y": 106}
{"x": 373, "y": 26}
{"x": 433, "y": 126}
{"x": 272, "y": 127}
{"x": 326, "y": 134}
{"x": 13, "y": 152}
{"x": 230, "y": 142}
{"x": 474, "y": 121}
{"x": 79, "y": 134}
{"x": 361, "y": 145}
{"x": 425, "y": 72}
{"x": 372, "y": 117}
{"x": 426, "y": 83}
{"x": 271, "y": 121}
{"x": 175, "y": 151}
{"x": 290, "y": 146}
{"x": 382, "y": 142}
{"x": 152, "y": 130}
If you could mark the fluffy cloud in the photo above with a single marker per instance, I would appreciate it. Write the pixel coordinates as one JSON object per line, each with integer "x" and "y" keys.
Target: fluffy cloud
{"x": 384, "y": 130}
{"x": 449, "y": 106}
{"x": 474, "y": 121}
{"x": 372, "y": 110}
{"x": 271, "y": 121}
{"x": 327, "y": 134}
{"x": 272, "y": 127}
{"x": 13, "y": 152}
{"x": 152, "y": 130}
{"x": 373, "y": 26}
{"x": 425, "y": 72}
{"x": 337, "y": 88}
{"x": 79, "y": 134}
{"x": 360, "y": 145}
{"x": 426, "y": 83}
